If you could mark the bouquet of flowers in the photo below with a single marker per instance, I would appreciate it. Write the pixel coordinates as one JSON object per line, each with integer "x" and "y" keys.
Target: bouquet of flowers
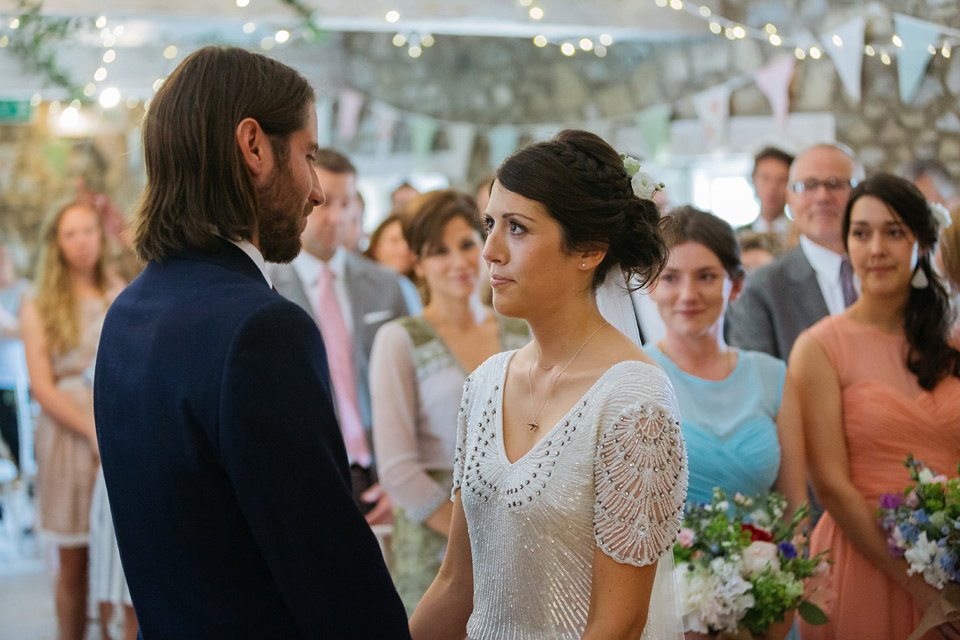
{"x": 740, "y": 574}
{"x": 923, "y": 527}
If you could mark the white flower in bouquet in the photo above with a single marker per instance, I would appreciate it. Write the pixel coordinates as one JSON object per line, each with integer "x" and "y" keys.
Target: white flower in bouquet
{"x": 922, "y": 557}
{"x": 759, "y": 555}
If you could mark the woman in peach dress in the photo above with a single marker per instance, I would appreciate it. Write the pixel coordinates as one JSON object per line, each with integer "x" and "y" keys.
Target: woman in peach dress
{"x": 876, "y": 383}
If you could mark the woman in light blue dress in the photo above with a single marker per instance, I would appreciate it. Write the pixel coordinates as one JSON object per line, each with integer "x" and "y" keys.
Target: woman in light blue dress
{"x": 738, "y": 408}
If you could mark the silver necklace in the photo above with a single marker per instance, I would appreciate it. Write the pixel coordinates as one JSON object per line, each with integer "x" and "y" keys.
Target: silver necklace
{"x": 536, "y": 416}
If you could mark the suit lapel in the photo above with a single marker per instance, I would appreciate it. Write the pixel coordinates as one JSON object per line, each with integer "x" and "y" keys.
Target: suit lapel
{"x": 805, "y": 289}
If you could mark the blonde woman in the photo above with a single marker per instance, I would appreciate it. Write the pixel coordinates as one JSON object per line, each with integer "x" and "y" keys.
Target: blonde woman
{"x": 61, "y": 328}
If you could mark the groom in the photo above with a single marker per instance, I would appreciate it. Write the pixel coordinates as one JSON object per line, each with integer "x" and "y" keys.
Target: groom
{"x": 225, "y": 467}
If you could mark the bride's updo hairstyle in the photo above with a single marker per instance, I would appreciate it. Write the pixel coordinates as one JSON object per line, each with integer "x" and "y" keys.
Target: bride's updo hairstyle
{"x": 581, "y": 181}
{"x": 928, "y": 317}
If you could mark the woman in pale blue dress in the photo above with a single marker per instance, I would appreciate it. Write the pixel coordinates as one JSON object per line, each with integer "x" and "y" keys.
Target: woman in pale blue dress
{"x": 738, "y": 408}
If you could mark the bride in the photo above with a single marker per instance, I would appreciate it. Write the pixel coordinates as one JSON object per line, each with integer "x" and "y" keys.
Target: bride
{"x": 570, "y": 471}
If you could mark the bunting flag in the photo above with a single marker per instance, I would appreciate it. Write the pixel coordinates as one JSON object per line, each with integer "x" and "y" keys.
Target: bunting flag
{"x": 348, "y": 114}
{"x": 917, "y": 37}
{"x": 324, "y": 116}
{"x": 847, "y": 53}
{"x": 774, "y": 81}
{"x": 654, "y": 126}
{"x": 386, "y": 118}
{"x": 713, "y": 110}
{"x": 460, "y": 136}
{"x": 422, "y": 130}
{"x": 503, "y": 142}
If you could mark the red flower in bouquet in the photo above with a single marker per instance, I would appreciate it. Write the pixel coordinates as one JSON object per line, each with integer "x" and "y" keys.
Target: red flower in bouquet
{"x": 756, "y": 533}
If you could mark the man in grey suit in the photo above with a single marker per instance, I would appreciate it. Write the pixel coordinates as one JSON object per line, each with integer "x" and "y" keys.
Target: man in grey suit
{"x": 815, "y": 278}
{"x": 350, "y": 297}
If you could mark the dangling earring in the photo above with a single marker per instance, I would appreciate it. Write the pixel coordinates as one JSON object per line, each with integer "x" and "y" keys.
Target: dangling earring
{"x": 919, "y": 279}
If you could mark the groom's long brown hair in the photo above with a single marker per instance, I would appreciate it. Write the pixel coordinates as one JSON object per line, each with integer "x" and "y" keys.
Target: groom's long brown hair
{"x": 197, "y": 183}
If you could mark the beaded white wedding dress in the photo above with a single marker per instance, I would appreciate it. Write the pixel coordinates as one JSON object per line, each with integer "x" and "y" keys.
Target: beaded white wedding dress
{"x": 612, "y": 473}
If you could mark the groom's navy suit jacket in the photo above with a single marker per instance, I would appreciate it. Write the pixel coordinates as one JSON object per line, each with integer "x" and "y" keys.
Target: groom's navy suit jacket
{"x": 224, "y": 463}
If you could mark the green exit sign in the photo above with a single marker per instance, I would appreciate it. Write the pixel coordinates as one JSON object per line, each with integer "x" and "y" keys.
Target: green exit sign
{"x": 14, "y": 111}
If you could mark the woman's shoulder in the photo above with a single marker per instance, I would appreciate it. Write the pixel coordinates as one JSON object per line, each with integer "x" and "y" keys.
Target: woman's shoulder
{"x": 636, "y": 382}
{"x": 492, "y": 369}
{"x": 416, "y": 329}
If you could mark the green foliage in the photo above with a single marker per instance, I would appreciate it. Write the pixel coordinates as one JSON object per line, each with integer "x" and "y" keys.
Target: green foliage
{"x": 33, "y": 43}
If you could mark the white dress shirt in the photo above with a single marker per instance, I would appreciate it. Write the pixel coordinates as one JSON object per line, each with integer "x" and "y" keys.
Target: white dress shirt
{"x": 255, "y": 255}
{"x": 827, "y": 265}
{"x": 308, "y": 269}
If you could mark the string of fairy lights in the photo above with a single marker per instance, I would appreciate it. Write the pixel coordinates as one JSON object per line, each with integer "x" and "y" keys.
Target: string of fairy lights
{"x": 416, "y": 41}
{"x": 733, "y": 30}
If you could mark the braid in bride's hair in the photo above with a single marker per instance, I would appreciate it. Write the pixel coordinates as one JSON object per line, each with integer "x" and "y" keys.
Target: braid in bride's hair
{"x": 582, "y": 183}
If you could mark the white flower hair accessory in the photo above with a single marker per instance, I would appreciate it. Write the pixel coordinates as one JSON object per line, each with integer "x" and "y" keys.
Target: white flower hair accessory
{"x": 941, "y": 215}
{"x": 644, "y": 186}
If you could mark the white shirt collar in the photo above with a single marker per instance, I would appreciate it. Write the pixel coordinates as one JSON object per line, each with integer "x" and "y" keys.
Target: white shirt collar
{"x": 825, "y": 262}
{"x": 308, "y": 266}
{"x": 780, "y": 225}
{"x": 254, "y": 254}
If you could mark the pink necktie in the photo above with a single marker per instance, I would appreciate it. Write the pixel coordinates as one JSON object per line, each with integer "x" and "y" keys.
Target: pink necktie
{"x": 339, "y": 355}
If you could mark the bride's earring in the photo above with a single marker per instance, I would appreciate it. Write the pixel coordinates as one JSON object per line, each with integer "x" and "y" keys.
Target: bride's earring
{"x": 919, "y": 280}
{"x": 583, "y": 265}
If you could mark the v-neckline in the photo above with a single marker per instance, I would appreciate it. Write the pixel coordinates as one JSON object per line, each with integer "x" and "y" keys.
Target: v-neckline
{"x": 502, "y": 448}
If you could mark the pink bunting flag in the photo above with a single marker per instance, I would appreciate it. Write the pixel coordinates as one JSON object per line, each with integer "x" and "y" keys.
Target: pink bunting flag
{"x": 348, "y": 114}
{"x": 774, "y": 81}
{"x": 713, "y": 110}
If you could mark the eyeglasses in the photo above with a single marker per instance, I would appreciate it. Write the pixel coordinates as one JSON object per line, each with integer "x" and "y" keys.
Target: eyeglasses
{"x": 832, "y": 184}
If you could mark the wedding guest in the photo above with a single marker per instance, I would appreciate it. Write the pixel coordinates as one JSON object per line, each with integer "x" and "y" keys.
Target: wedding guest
{"x": 389, "y": 248}
{"x": 61, "y": 328}
{"x": 876, "y": 383}
{"x": 401, "y": 197}
{"x": 12, "y": 289}
{"x": 814, "y": 279}
{"x": 570, "y": 472}
{"x": 771, "y": 169}
{"x": 934, "y": 181}
{"x": 758, "y": 249}
{"x": 417, "y": 369}
{"x": 350, "y": 297}
{"x": 739, "y": 407}
{"x": 948, "y": 253}
{"x": 482, "y": 192}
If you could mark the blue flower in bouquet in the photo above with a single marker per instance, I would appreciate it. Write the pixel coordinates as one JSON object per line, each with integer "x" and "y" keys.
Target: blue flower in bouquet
{"x": 921, "y": 517}
{"x": 787, "y": 550}
{"x": 909, "y": 532}
{"x": 949, "y": 563}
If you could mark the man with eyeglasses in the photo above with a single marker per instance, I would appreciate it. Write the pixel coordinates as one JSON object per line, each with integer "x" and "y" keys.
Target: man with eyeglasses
{"x": 814, "y": 279}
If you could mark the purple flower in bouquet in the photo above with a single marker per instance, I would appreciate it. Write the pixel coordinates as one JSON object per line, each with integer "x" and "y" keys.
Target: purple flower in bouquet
{"x": 787, "y": 550}
{"x": 891, "y": 500}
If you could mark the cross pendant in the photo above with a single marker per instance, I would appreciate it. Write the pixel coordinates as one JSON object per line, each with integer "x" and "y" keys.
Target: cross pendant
{"x": 533, "y": 425}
